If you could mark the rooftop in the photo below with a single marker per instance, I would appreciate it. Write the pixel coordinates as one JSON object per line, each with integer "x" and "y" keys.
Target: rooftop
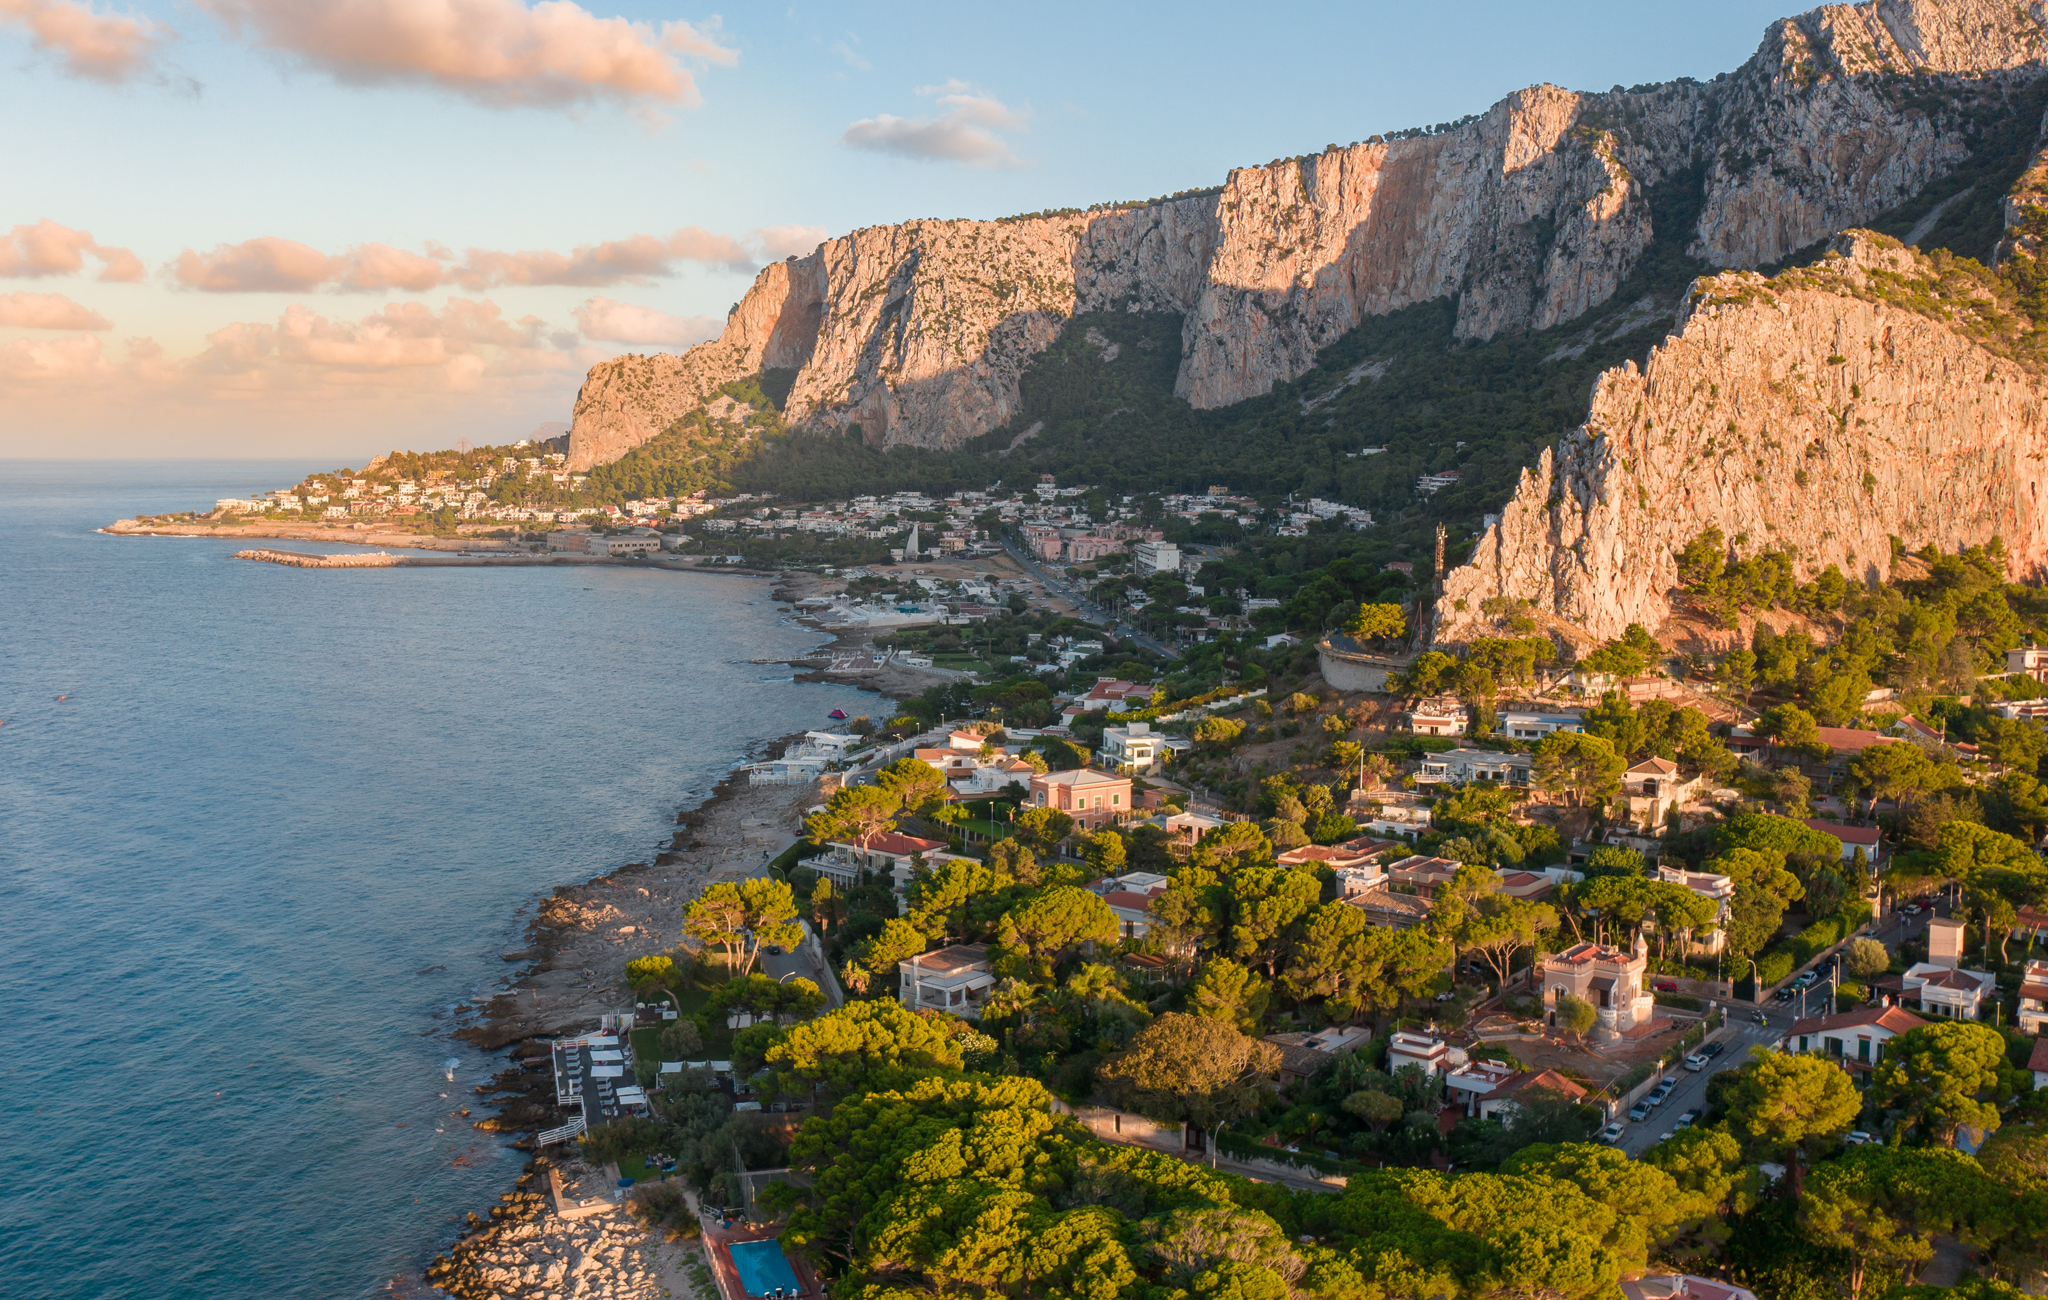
{"x": 1896, "y": 1019}
{"x": 1866, "y": 836}
{"x": 958, "y": 959}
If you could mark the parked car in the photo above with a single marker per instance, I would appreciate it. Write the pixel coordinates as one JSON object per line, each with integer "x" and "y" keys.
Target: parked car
{"x": 1712, "y": 1050}
{"x": 1806, "y": 979}
{"x": 1640, "y": 1111}
{"x": 1696, "y": 1062}
{"x": 1912, "y": 909}
{"x": 1859, "y": 1139}
{"x": 1690, "y": 1117}
{"x": 1666, "y": 986}
{"x": 1785, "y": 994}
{"x": 1665, "y": 1136}
{"x": 1612, "y": 1133}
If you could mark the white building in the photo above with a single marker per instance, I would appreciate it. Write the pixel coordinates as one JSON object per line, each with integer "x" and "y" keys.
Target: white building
{"x": 955, "y": 980}
{"x": 1155, "y": 557}
{"x": 1459, "y": 766}
{"x": 1132, "y": 749}
{"x": 1433, "y": 1055}
{"x": 1854, "y": 1038}
{"x": 1535, "y": 726}
{"x": 1948, "y": 992}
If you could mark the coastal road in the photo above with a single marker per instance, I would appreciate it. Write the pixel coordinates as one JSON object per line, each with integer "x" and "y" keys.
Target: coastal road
{"x": 1691, "y": 1092}
{"x": 1068, "y": 593}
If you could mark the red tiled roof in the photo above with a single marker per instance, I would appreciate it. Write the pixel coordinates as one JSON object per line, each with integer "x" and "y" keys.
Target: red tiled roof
{"x": 1543, "y": 1080}
{"x": 2039, "y": 1060}
{"x": 1866, "y": 836}
{"x": 1125, "y": 898}
{"x": 901, "y": 846}
{"x": 1896, "y": 1019}
{"x": 1852, "y": 740}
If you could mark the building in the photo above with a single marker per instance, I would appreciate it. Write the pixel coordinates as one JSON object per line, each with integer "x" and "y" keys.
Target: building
{"x": 1350, "y": 855}
{"x": 1945, "y": 942}
{"x": 1653, "y": 790}
{"x": 1131, "y": 748}
{"x": 955, "y": 980}
{"x": 1716, "y": 889}
{"x": 889, "y": 853}
{"x": 1385, "y": 907}
{"x": 1130, "y": 897}
{"x": 1506, "y": 1097}
{"x": 1302, "y": 1054}
{"x": 1610, "y": 979}
{"x": 1477, "y": 1079}
{"x": 1460, "y": 766}
{"x": 1093, "y": 799}
{"x": 1433, "y": 1056}
{"x": 1855, "y": 1038}
{"x": 1440, "y": 715}
{"x": 1683, "y": 1286}
{"x": 1851, "y": 838}
{"x": 1423, "y": 874}
{"x": 1155, "y": 557}
{"x": 1947, "y": 991}
{"x": 625, "y": 545}
{"x": 2033, "y": 1017}
{"x": 2027, "y": 660}
{"x": 2038, "y": 1062}
{"x": 1535, "y": 726}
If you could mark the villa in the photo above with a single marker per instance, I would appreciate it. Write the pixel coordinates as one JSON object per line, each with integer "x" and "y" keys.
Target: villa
{"x": 1610, "y": 979}
{"x": 955, "y": 980}
{"x": 1093, "y": 799}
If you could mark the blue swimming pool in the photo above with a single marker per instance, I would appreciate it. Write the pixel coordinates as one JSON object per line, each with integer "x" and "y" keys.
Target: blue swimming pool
{"x": 762, "y": 1268}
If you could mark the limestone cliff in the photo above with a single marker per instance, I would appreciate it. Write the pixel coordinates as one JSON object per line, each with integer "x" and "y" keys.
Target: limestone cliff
{"x": 1529, "y": 214}
{"x": 1809, "y": 413}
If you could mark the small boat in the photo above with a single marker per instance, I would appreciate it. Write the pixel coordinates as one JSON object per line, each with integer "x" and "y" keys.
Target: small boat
{"x": 837, "y": 715}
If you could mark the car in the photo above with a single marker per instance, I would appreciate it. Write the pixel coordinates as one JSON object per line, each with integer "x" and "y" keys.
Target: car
{"x": 1696, "y": 1062}
{"x": 1447, "y": 997}
{"x": 1806, "y": 979}
{"x": 1666, "y": 1135}
{"x": 1666, "y": 986}
{"x": 1640, "y": 1111}
{"x": 1612, "y": 1133}
{"x": 1785, "y": 994}
{"x": 1690, "y": 1117}
{"x": 1912, "y": 909}
{"x": 1712, "y": 1050}
{"x": 1859, "y": 1139}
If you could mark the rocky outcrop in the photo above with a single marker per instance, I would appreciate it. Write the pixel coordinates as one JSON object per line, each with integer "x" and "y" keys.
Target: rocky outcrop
{"x": 1796, "y": 414}
{"x": 1529, "y": 215}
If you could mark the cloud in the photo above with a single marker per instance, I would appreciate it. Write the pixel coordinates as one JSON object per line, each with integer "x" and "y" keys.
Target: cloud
{"x": 255, "y": 266}
{"x": 964, "y": 132}
{"x": 844, "y": 49}
{"x": 272, "y": 265}
{"x": 605, "y": 321}
{"x": 499, "y": 53}
{"x": 47, "y": 363}
{"x": 48, "y": 311}
{"x": 778, "y": 242}
{"x": 46, "y": 248}
{"x": 105, "y": 47}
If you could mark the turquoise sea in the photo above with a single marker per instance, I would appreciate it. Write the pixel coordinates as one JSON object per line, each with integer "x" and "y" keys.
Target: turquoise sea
{"x": 279, "y": 825}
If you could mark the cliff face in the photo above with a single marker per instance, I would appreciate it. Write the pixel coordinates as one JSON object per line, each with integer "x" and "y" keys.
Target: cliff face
{"x": 1791, "y": 418}
{"x": 1530, "y": 214}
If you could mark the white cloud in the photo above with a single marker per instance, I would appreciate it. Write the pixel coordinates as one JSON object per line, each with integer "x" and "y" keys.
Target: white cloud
{"x": 106, "y": 47}
{"x": 844, "y": 49}
{"x": 495, "y": 52}
{"x": 48, "y": 311}
{"x": 606, "y": 321}
{"x": 966, "y": 130}
{"x": 778, "y": 242}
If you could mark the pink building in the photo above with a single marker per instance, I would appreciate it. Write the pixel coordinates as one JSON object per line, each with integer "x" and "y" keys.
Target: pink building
{"x": 1093, "y": 799}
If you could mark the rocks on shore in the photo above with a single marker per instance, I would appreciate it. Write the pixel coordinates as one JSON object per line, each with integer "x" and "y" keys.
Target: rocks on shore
{"x": 528, "y": 1252}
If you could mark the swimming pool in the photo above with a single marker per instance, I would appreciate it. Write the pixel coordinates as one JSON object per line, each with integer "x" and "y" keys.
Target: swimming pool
{"x": 762, "y": 1268}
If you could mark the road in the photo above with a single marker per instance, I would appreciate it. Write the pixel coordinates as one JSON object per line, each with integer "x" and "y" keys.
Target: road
{"x": 1067, "y": 592}
{"x": 1692, "y": 1087}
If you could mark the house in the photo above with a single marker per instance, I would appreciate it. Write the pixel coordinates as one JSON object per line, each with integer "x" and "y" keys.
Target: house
{"x": 1507, "y": 1097}
{"x": 1855, "y": 1038}
{"x": 1131, "y": 748}
{"x": 1384, "y": 907}
{"x": 1155, "y": 557}
{"x": 1190, "y": 826}
{"x": 1398, "y": 814}
{"x": 1610, "y": 979}
{"x": 1851, "y": 838}
{"x": 2033, "y": 1015}
{"x": 950, "y": 762}
{"x": 1460, "y": 766}
{"x": 1535, "y": 726}
{"x": 1440, "y": 715}
{"x": 1302, "y": 1054}
{"x": 1534, "y": 886}
{"x": 1432, "y": 1055}
{"x": 2027, "y": 660}
{"x": 1337, "y": 857}
{"x": 1477, "y": 1079}
{"x": 1716, "y": 889}
{"x": 2038, "y": 1062}
{"x": 1093, "y": 799}
{"x": 970, "y": 741}
{"x": 993, "y": 777}
{"x": 1948, "y": 991}
{"x": 1130, "y": 897}
{"x": 1423, "y": 874}
{"x": 889, "y": 853}
{"x": 1653, "y": 790}
{"x": 1683, "y": 1286}
{"x": 955, "y": 980}
{"x": 1112, "y": 693}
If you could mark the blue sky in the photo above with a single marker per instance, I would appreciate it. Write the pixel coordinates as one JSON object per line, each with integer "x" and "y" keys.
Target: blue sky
{"x": 172, "y": 130}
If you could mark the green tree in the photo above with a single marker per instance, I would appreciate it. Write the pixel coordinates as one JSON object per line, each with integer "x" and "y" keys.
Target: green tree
{"x": 1943, "y": 1076}
{"x": 1105, "y": 853}
{"x": 914, "y": 782}
{"x": 864, "y": 1045}
{"x": 1183, "y": 1067}
{"x": 1780, "y": 1102}
{"x": 1583, "y": 768}
{"x": 1891, "y": 771}
{"x": 1265, "y": 903}
{"x": 741, "y": 916}
{"x": 1576, "y": 1016}
{"x": 1053, "y": 923}
{"x": 1044, "y": 828}
{"x": 1884, "y": 1206}
{"x": 1376, "y": 1108}
{"x": 1791, "y": 727}
{"x": 1866, "y": 958}
{"x": 898, "y": 941}
{"x": 681, "y": 1041}
{"x": 1231, "y": 993}
{"x": 854, "y": 815}
{"x": 1377, "y": 623}
{"x": 1501, "y": 927}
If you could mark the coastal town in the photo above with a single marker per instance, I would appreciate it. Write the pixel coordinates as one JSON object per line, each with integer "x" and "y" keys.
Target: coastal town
{"x": 1525, "y": 893}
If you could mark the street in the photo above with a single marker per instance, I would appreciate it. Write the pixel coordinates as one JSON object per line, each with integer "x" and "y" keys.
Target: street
{"x": 1065, "y": 590}
{"x": 1692, "y": 1086}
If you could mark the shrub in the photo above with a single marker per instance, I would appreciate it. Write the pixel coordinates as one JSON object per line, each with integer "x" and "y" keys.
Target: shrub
{"x": 1774, "y": 967}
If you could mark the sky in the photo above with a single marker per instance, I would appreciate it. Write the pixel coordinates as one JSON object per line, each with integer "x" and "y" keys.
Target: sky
{"x": 329, "y": 228}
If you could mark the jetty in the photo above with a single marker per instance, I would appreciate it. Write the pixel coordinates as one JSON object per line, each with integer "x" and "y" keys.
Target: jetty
{"x": 303, "y": 560}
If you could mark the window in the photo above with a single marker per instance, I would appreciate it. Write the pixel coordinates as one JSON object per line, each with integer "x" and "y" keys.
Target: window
{"x": 1116, "y": 800}
{"x": 1834, "y": 1046}
{"x": 1863, "y": 1049}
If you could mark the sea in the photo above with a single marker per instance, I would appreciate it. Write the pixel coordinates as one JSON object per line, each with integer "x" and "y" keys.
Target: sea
{"x": 263, "y": 830}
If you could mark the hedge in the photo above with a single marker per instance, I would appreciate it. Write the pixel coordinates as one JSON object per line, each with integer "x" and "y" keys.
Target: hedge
{"x": 1774, "y": 966}
{"x": 1684, "y": 1001}
{"x": 1234, "y": 1144}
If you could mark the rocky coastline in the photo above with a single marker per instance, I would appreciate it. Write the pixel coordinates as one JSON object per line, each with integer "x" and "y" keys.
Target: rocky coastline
{"x": 571, "y": 971}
